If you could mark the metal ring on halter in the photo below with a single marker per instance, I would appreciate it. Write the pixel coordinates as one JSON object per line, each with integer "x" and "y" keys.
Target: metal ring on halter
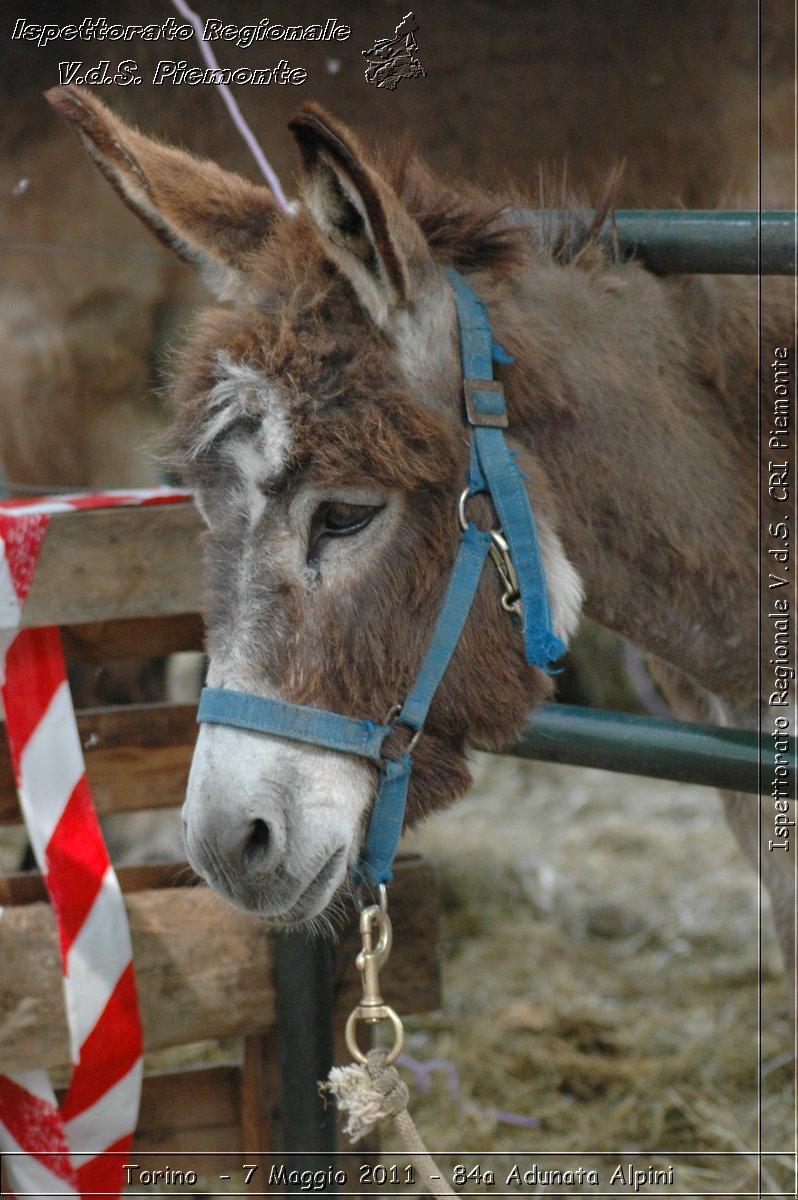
{"x": 390, "y": 717}
{"x": 500, "y": 553}
{"x": 411, "y": 745}
{"x": 385, "y": 1013}
{"x": 461, "y": 510}
{"x": 382, "y": 898}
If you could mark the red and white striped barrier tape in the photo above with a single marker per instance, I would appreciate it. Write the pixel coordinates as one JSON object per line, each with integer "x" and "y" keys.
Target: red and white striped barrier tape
{"x": 50, "y": 1150}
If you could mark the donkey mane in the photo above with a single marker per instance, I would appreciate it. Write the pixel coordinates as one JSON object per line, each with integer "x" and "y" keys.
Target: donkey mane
{"x": 297, "y": 288}
{"x": 464, "y": 226}
{"x": 474, "y": 230}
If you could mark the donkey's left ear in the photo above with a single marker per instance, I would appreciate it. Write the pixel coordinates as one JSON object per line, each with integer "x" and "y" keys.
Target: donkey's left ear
{"x": 368, "y": 232}
{"x": 213, "y": 219}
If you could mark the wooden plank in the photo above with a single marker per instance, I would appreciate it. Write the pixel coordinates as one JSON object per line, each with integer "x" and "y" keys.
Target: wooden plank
{"x": 28, "y": 887}
{"x": 114, "y": 564}
{"x": 137, "y": 757}
{"x": 143, "y": 637}
{"x": 187, "y": 1111}
{"x": 259, "y": 1088}
{"x": 136, "y": 727}
{"x": 203, "y": 968}
{"x": 188, "y": 1117}
{"x": 146, "y": 877}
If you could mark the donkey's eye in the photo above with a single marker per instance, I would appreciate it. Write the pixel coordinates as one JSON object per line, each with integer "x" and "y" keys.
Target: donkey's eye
{"x": 340, "y": 519}
{"x": 335, "y": 518}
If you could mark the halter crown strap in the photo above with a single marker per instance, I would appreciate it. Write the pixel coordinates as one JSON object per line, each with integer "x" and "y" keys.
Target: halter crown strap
{"x": 493, "y": 469}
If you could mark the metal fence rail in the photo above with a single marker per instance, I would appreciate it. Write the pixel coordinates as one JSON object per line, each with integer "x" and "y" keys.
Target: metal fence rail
{"x": 637, "y": 745}
{"x": 670, "y": 242}
{"x": 694, "y": 242}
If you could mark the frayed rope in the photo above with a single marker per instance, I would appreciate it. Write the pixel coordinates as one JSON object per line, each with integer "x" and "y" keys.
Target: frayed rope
{"x": 372, "y": 1092}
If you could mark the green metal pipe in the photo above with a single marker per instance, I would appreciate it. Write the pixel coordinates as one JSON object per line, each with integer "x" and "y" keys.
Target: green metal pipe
{"x": 632, "y": 745}
{"x": 694, "y": 242}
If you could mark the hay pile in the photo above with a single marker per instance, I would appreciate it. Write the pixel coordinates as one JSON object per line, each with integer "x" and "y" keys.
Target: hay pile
{"x": 601, "y": 977}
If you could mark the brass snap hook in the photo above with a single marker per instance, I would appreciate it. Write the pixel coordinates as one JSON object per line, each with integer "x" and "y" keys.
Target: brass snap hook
{"x": 370, "y": 960}
{"x": 500, "y": 553}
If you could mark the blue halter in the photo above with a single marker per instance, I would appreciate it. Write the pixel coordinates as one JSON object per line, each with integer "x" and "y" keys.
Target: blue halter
{"x": 492, "y": 470}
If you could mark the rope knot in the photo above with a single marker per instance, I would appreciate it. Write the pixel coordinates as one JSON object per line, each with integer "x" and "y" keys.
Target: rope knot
{"x": 367, "y": 1094}
{"x": 387, "y": 1082}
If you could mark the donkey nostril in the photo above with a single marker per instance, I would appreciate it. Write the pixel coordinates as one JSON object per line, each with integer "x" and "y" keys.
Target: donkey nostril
{"x": 257, "y": 844}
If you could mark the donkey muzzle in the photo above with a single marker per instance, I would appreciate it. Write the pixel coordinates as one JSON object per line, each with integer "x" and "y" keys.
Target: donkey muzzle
{"x": 273, "y": 825}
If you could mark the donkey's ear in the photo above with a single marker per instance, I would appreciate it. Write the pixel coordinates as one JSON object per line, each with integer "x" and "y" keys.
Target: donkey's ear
{"x": 211, "y": 218}
{"x": 368, "y": 232}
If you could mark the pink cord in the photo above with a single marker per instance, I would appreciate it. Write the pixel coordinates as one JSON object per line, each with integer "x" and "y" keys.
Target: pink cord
{"x": 232, "y": 107}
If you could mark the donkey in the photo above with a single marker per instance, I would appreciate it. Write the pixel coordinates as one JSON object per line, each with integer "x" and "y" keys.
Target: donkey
{"x": 319, "y": 423}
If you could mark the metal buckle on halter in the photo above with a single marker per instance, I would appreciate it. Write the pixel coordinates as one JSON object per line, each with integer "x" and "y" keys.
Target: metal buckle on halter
{"x": 484, "y": 401}
{"x": 390, "y": 719}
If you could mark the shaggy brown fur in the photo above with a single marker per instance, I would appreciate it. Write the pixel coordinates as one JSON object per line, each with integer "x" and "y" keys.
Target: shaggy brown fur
{"x": 350, "y": 426}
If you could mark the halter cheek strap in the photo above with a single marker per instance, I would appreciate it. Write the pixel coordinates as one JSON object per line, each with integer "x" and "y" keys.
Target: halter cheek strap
{"x": 492, "y": 470}
{"x": 297, "y": 722}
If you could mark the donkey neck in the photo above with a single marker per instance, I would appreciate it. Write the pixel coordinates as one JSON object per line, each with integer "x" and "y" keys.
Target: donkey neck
{"x": 621, "y": 406}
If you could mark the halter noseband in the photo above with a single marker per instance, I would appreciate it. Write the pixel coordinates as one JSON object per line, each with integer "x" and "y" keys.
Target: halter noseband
{"x": 492, "y": 469}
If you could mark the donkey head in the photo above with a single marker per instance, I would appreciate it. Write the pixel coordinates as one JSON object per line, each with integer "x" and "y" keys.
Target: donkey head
{"x": 319, "y": 425}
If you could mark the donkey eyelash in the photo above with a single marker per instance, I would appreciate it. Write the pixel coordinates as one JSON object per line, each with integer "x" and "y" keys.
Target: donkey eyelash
{"x": 341, "y": 518}
{"x": 336, "y": 519}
